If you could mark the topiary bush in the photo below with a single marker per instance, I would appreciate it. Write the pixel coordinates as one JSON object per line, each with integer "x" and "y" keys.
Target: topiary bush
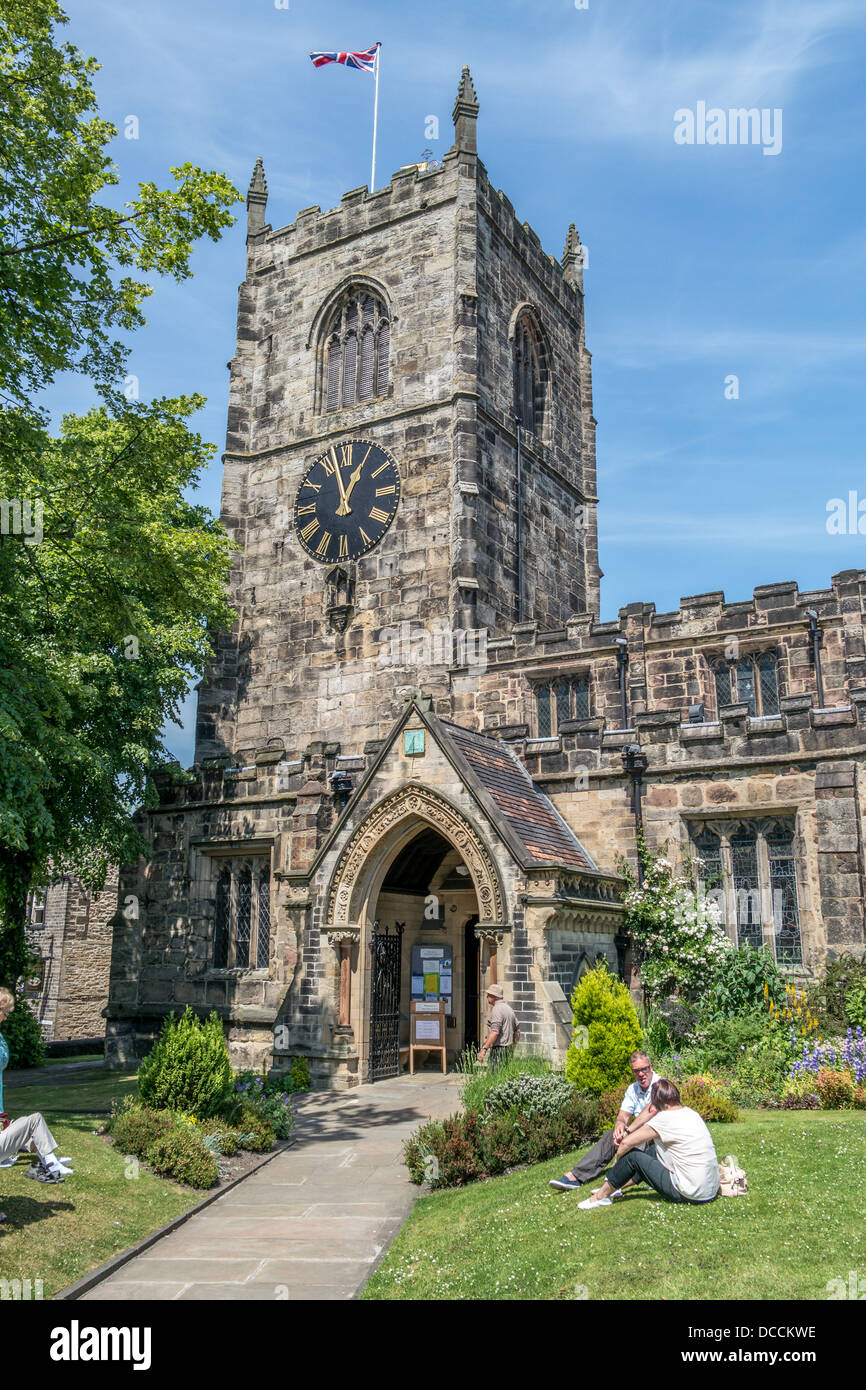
{"x": 188, "y": 1067}
{"x": 536, "y": 1097}
{"x": 134, "y": 1127}
{"x": 601, "y": 1004}
{"x": 24, "y": 1036}
{"x": 182, "y": 1154}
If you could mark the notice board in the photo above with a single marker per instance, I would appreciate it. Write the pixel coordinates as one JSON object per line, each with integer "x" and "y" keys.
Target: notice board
{"x": 432, "y": 975}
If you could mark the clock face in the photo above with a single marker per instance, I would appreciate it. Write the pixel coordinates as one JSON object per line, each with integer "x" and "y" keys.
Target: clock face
{"x": 347, "y": 500}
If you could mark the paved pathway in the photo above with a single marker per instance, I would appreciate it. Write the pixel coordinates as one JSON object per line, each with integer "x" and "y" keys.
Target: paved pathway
{"x": 313, "y": 1222}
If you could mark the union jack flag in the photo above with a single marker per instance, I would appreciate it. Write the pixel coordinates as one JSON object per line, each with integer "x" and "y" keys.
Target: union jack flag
{"x": 365, "y": 60}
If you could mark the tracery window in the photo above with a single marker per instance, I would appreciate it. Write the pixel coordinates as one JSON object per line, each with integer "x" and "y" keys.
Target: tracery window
{"x": 357, "y": 350}
{"x": 749, "y": 868}
{"x": 752, "y": 681}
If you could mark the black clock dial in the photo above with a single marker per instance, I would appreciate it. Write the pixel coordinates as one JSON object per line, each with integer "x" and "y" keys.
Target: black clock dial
{"x": 346, "y": 501}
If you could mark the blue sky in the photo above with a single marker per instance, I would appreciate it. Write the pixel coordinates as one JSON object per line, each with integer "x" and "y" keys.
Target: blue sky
{"x": 705, "y": 261}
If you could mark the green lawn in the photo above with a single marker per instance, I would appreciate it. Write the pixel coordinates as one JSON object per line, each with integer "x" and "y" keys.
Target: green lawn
{"x": 57, "y": 1233}
{"x": 514, "y": 1237}
{"x": 82, "y": 1091}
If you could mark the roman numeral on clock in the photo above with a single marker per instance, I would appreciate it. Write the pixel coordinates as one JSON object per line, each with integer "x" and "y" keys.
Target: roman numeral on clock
{"x": 305, "y": 511}
{"x": 385, "y": 491}
{"x": 344, "y": 546}
{"x": 380, "y": 469}
{"x": 376, "y": 514}
{"x": 322, "y": 547}
{"x": 309, "y": 530}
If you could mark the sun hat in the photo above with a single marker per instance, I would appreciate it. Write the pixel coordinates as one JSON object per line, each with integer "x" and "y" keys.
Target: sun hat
{"x": 496, "y": 991}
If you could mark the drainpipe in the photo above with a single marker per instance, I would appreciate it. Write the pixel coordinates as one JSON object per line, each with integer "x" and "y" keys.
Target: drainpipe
{"x": 634, "y": 762}
{"x": 519, "y": 527}
{"x": 817, "y": 638}
{"x": 622, "y": 663}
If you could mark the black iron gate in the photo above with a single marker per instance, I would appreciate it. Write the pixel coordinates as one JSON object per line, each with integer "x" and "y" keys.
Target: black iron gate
{"x": 385, "y": 1002}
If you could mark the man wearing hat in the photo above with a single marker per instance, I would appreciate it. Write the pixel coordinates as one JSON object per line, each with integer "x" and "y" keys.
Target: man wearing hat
{"x": 503, "y": 1030}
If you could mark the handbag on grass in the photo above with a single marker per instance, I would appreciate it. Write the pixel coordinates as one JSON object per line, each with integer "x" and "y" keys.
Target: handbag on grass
{"x": 732, "y": 1178}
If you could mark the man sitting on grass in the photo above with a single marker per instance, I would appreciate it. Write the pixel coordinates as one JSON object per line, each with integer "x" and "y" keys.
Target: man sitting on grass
{"x": 636, "y": 1102}
{"x": 683, "y": 1167}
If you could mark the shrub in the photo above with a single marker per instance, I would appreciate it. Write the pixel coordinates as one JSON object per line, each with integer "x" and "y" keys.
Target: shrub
{"x": 842, "y": 988}
{"x": 134, "y": 1127}
{"x": 669, "y": 1024}
{"x": 24, "y": 1036}
{"x": 221, "y": 1139}
{"x": 188, "y": 1067}
{"x": 602, "y": 1005}
{"x": 608, "y": 1107}
{"x": 479, "y": 1080}
{"x": 182, "y": 1154}
{"x": 300, "y": 1074}
{"x": 806, "y": 1102}
{"x": 742, "y": 981}
{"x": 266, "y": 1096}
{"x": 255, "y": 1133}
{"x": 536, "y": 1097}
{"x": 676, "y": 934}
{"x": 709, "y": 1099}
{"x": 449, "y": 1153}
{"x": 835, "y": 1089}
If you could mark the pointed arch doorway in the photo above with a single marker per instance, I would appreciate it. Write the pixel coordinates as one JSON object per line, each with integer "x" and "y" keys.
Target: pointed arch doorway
{"x": 416, "y": 860}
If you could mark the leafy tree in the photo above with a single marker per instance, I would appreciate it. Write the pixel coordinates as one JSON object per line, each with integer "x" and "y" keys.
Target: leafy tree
{"x": 110, "y": 580}
{"x": 598, "y": 1057}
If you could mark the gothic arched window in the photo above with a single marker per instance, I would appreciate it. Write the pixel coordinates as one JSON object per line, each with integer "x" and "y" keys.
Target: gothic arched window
{"x": 357, "y": 340}
{"x": 529, "y": 375}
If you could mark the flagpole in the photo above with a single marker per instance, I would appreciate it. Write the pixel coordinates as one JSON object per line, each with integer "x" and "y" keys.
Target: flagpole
{"x": 375, "y": 120}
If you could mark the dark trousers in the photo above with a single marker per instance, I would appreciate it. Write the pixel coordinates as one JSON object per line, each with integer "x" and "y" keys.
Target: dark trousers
{"x": 599, "y": 1158}
{"x": 645, "y": 1167}
{"x": 499, "y": 1055}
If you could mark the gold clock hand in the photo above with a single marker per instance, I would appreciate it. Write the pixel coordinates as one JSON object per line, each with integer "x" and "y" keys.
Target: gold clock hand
{"x": 344, "y": 509}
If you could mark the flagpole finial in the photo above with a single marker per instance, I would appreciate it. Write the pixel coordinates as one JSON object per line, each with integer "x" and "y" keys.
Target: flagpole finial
{"x": 465, "y": 114}
{"x": 257, "y": 200}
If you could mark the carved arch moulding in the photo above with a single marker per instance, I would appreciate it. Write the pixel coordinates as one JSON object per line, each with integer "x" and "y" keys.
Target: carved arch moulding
{"x": 423, "y": 804}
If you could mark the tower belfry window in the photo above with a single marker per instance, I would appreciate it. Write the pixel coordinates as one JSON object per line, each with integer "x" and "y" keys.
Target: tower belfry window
{"x": 357, "y": 351}
{"x": 529, "y": 376}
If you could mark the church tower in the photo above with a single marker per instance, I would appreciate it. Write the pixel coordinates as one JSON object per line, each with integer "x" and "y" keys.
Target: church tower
{"x": 410, "y": 452}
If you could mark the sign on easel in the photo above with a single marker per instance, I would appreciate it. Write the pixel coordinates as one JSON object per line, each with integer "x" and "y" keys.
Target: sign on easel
{"x": 427, "y": 1031}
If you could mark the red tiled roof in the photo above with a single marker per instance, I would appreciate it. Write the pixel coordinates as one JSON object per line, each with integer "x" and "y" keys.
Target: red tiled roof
{"x": 531, "y": 815}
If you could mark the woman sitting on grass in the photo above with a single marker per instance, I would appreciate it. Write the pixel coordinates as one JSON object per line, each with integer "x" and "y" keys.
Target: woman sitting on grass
{"x": 29, "y": 1131}
{"x": 684, "y": 1167}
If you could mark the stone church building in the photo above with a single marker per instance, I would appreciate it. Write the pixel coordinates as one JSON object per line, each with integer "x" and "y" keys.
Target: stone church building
{"x": 420, "y": 756}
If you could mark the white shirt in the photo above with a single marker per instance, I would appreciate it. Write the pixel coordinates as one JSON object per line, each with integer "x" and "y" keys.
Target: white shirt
{"x": 635, "y": 1098}
{"x": 685, "y": 1147}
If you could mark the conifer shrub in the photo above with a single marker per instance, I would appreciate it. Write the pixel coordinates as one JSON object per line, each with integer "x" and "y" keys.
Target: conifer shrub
{"x": 188, "y": 1068}
{"x": 300, "y": 1074}
{"x": 601, "y": 1004}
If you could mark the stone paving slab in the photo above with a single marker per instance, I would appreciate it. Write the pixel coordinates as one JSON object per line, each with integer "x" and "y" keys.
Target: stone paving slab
{"x": 313, "y": 1223}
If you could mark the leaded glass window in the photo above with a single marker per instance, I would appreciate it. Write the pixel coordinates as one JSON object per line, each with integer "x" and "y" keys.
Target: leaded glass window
{"x": 783, "y": 885}
{"x": 751, "y": 681}
{"x": 242, "y": 920}
{"x": 560, "y": 700}
{"x": 753, "y": 862}
{"x": 747, "y": 887}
